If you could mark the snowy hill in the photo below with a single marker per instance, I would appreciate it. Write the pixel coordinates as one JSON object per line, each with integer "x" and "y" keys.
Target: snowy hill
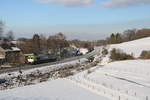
{"x": 60, "y": 89}
{"x": 135, "y": 47}
{"x": 127, "y": 80}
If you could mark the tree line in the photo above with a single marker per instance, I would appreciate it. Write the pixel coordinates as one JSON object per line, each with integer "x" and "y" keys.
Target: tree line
{"x": 54, "y": 43}
{"x": 39, "y": 43}
{"x": 127, "y": 35}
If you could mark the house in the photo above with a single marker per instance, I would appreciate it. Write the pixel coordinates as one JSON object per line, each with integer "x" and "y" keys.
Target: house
{"x": 12, "y": 55}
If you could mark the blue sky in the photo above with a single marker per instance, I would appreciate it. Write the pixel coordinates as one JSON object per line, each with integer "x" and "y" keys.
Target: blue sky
{"x": 77, "y": 19}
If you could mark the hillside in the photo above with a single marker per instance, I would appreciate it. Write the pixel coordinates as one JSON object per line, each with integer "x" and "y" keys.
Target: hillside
{"x": 132, "y": 47}
{"x": 127, "y": 80}
{"x": 135, "y": 47}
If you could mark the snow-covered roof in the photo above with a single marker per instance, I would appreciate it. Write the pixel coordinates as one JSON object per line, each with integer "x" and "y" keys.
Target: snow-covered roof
{"x": 73, "y": 46}
{"x": 14, "y": 42}
{"x": 15, "y": 49}
{"x": 2, "y": 57}
{"x": 12, "y": 49}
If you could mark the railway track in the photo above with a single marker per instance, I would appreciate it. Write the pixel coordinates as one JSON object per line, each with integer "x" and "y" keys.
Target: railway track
{"x": 26, "y": 67}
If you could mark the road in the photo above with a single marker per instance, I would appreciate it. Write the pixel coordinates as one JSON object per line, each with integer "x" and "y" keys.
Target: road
{"x": 26, "y": 67}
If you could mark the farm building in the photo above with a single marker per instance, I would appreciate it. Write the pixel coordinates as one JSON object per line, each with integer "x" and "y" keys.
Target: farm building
{"x": 11, "y": 55}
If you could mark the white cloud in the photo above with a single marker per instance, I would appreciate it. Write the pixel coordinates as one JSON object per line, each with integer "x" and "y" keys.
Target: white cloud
{"x": 125, "y": 3}
{"x": 69, "y": 2}
{"x": 107, "y": 3}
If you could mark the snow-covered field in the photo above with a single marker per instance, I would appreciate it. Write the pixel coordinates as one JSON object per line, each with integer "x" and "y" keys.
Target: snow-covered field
{"x": 60, "y": 89}
{"x": 127, "y": 80}
{"x": 120, "y": 80}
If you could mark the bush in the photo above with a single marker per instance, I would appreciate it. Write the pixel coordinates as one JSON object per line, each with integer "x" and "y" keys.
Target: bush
{"x": 89, "y": 72}
{"x": 145, "y": 55}
{"x": 104, "y": 51}
{"x": 117, "y": 54}
{"x": 90, "y": 59}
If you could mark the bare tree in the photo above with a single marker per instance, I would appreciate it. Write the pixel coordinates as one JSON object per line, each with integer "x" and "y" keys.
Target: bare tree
{"x": 1, "y": 29}
{"x": 43, "y": 42}
{"x": 142, "y": 33}
{"x": 57, "y": 42}
{"x": 52, "y": 43}
{"x": 61, "y": 36}
{"x": 129, "y": 34}
{"x": 26, "y": 45}
{"x": 10, "y": 35}
{"x": 36, "y": 43}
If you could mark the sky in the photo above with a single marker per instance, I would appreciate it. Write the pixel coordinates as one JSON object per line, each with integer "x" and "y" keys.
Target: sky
{"x": 77, "y": 19}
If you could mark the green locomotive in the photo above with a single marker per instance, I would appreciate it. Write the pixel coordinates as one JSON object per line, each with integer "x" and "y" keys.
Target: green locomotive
{"x": 41, "y": 58}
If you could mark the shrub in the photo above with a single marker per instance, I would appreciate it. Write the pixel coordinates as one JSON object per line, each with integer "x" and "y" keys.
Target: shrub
{"x": 117, "y": 54}
{"x": 90, "y": 59}
{"x": 89, "y": 72}
{"x": 145, "y": 54}
{"x": 104, "y": 51}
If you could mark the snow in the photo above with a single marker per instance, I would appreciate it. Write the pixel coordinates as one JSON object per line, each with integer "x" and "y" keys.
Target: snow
{"x": 104, "y": 59}
{"x": 83, "y": 51}
{"x": 60, "y": 89}
{"x": 128, "y": 80}
{"x": 15, "y": 49}
{"x": 1, "y": 57}
{"x": 135, "y": 47}
{"x": 124, "y": 80}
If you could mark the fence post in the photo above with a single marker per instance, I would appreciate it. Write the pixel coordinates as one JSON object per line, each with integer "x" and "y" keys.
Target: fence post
{"x": 112, "y": 95}
{"x": 146, "y": 97}
{"x": 111, "y": 86}
{"x": 104, "y": 91}
{"x": 119, "y": 97}
{"x": 135, "y": 93}
{"x": 127, "y": 92}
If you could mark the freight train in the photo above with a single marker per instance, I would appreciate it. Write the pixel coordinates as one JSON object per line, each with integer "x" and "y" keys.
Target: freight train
{"x": 41, "y": 58}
